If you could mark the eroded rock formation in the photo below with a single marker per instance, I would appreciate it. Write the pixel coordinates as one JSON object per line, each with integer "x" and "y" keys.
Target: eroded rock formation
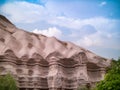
{"x": 38, "y": 62}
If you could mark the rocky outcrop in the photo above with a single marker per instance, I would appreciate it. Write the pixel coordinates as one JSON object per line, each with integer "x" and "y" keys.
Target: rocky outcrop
{"x": 40, "y": 62}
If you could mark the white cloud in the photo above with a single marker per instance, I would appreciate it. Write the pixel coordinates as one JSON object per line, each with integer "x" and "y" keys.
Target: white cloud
{"x": 24, "y": 12}
{"x": 99, "y": 39}
{"x": 52, "y": 31}
{"x": 66, "y": 22}
{"x": 103, "y": 3}
{"x": 91, "y": 40}
{"x": 98, "y": 31}
{"x": 99, "y": 23}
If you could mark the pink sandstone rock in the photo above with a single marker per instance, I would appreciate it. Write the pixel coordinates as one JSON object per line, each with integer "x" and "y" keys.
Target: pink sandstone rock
{"x": 39, "y": 62}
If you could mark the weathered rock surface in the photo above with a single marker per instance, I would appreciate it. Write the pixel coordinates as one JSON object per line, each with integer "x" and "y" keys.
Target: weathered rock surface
{"x": 40, "y": 62}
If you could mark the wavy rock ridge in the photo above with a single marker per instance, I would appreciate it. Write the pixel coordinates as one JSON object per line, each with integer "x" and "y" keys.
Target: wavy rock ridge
{"x": 40, "y": 62}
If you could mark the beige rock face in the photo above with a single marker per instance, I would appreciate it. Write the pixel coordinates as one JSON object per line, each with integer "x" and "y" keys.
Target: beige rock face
{"x": 39, "y": 62}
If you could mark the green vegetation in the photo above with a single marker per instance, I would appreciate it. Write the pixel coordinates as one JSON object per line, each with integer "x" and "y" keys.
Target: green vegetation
{"x": 83, "y": 87}
{"x": 112, "y": 78}
{"x": 7, "y": 82}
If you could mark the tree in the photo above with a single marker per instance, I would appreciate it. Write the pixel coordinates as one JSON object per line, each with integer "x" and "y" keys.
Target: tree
{"x": 112, "y": 78}
{"x": 7, "y": 82}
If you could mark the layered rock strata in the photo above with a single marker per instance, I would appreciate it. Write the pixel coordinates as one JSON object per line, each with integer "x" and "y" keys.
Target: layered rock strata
{"x": 40, "y": 63}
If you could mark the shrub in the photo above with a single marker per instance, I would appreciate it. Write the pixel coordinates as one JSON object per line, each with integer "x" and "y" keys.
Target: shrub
{"x": 7, "y": 82}
{"x": 112, "y": 78}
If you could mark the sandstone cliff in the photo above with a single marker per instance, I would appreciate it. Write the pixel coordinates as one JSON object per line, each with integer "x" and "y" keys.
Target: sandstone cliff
{"x": 49, "y": 62}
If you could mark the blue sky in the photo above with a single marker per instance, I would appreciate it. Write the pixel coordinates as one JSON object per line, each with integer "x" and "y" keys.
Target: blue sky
{"x": 92, "y": 24}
